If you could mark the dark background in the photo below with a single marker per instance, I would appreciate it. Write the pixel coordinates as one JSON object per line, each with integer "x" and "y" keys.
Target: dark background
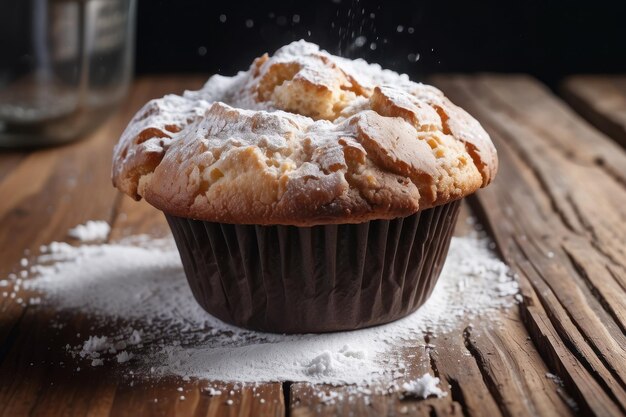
{"x": 548, "y": 39}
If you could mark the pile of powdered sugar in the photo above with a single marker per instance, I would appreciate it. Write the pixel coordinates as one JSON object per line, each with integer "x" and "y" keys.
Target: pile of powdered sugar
{"x": 423, "y": 387}
{"x": 137, "y": 287}
{"x": 90, "y": 231}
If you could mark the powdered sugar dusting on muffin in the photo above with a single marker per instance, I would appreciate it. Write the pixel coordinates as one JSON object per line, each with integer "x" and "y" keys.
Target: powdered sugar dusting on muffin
{"x": 185, "y": 154}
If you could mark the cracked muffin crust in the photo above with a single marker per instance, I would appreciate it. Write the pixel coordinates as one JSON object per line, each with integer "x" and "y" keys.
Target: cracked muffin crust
{"x": 303, "y": 138}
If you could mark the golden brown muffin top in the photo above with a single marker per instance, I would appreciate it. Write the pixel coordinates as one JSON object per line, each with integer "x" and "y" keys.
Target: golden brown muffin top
{"x": 303, "y": 138}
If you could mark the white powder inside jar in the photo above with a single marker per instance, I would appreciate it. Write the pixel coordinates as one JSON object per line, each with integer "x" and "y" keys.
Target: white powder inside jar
{"x": 139, "y": 288}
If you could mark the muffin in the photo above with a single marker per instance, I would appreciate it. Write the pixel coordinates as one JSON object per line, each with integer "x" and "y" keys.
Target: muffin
{"x": 310, "y": 193}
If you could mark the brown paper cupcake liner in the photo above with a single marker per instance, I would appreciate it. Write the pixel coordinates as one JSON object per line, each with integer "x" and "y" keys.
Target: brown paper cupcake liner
{"x": 290, "y": 279}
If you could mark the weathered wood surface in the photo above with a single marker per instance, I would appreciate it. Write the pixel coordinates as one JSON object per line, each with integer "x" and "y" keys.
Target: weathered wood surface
{"x": 556, "y": 211}
{"x": 46, "y": 193}
{"x": 601, "y": 99}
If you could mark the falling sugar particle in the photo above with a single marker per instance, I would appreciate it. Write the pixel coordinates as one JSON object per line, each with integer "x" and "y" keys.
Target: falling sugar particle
{"x": 411, "y": 30}
{"x": 249, "y": 23}
{"x": 413, "y": 57}
{"x": 223, "y": 18}
{"x": 400, "y": 29}
{"x": 373, "y": 46}
{"x": 295, "y": 18}
{"x": 202, "y": 51}
{"x": 360, "y": 41}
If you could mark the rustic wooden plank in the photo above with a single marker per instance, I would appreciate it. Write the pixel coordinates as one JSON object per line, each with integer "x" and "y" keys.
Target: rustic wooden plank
{"x": 48, "y": 390}
{"x": 601, "y": 99}
{"x": 506, "y": 348}
{"x": 494, "y": 369}
{"x": 325, "y": 400}
{"x": 514, "y": 370}
{"x": 538, "y": 110}
{"x": 560, "y": 234}
{"x": 37, "y": 373}
{"x": 306, "y": 402}
{"x": 559, "y": 195}
{"x": 10, "y": 159}
{"x": 41, "y": 205}
{"x": 490, "y": 370}
{"x": 53, "y": 189}
{"x": 47, "y": 387}
{"x": 164, "y": 399}
{"x": 559, "y": 317}
{"x": 456, "y": 365}
{"x": 134, "y": 218}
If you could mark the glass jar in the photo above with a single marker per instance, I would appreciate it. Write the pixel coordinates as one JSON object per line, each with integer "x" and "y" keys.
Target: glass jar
{"x": 65, "y": 66}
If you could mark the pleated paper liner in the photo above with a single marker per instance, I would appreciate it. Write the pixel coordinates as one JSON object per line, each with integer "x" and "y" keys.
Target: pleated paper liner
{"x": 288, "y": 279}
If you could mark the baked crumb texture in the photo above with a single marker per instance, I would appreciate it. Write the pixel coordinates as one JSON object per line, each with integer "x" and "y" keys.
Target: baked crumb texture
{"x": 303, "y": 138}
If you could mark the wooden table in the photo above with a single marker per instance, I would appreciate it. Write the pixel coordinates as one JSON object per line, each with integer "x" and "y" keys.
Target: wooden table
{"x": 602, "y": 100}
{"x": 557, "y": 212}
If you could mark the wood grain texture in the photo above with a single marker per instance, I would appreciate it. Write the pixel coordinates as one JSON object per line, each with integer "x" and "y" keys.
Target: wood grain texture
{"x": 46, "y": 193}
{"x": 601, "y": 99}
{"x": 556, "y": 212}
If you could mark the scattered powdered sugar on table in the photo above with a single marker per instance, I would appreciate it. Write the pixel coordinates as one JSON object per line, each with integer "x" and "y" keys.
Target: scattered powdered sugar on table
{"x": 423, "y": 387}
{"x": 90, "y": 231}
{"x": 137, "y": 295}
